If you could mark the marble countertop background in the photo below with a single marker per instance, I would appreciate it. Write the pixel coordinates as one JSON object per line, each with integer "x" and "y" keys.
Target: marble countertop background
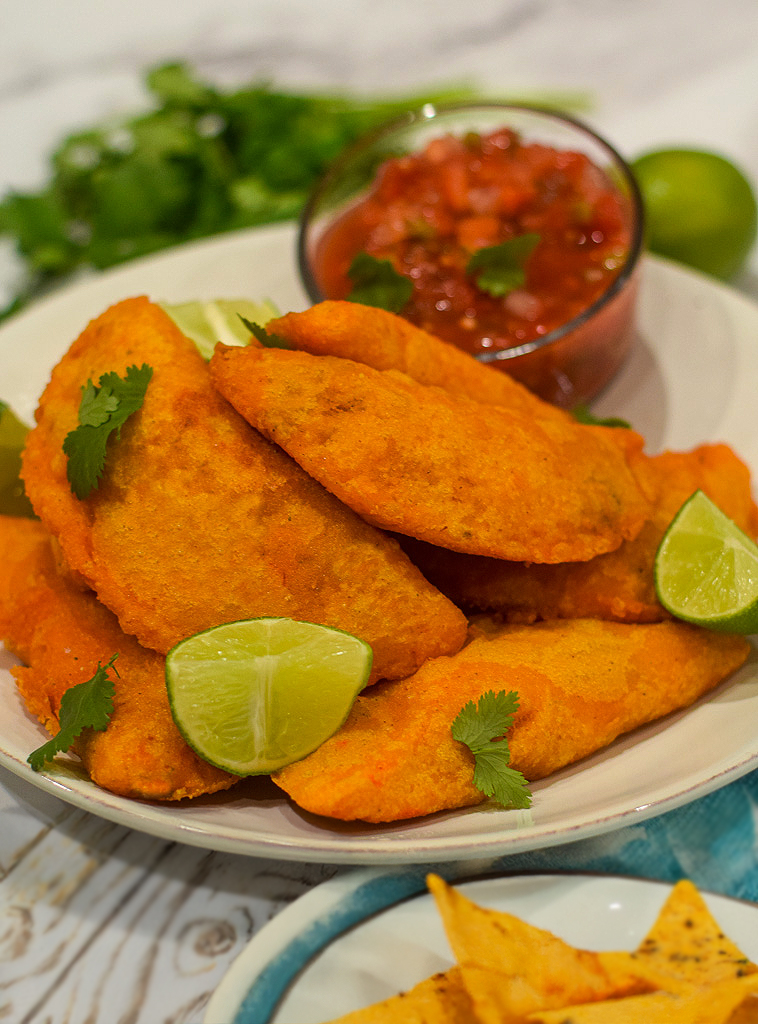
{"x": 101, "y": 924}
{"x": 679, "y": 72}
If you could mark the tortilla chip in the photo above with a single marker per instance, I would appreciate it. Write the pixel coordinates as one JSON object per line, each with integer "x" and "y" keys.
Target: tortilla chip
{"x": 509, "y": 972}
{"x": 747, "y": 1011}
{"x": 688, "y": 945}
{"x": 441, "y": 999}
{"x": 715, "y": 1004}
{"x": 511, "y": 968}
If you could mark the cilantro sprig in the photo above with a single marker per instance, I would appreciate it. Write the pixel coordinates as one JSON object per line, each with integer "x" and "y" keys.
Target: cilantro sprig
{"x": 499, "y": 269}
{"x": 87, "y": 705}
{"x": 583, "y": 414}
{"x": 482, "y": 727}
{"x": 102, "y": 410}
{"x": 268, "y": 340}
{"x": 377, "y": 283}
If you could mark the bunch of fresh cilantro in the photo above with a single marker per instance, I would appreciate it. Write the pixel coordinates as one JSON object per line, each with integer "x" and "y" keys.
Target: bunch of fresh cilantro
{"x": 202, "y": 161}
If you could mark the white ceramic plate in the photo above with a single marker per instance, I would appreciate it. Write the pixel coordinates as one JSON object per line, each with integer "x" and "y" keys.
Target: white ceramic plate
{"x": 693, "y": 377}
{"x": 361, "y": 938}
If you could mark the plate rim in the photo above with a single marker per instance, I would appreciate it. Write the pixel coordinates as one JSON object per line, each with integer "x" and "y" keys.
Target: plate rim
{"x": 373, "y": 851}
{"x": 275, "y": 942}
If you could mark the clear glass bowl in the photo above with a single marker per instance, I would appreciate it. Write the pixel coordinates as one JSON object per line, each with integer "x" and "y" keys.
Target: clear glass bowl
{"x": 572, "y": 362}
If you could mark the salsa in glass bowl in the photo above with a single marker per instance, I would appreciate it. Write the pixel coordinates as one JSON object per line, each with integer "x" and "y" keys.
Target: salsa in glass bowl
{"x": 511, "y": 232}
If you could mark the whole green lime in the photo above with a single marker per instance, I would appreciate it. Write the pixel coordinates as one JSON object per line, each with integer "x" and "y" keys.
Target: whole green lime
{"x": 701, "y": 210}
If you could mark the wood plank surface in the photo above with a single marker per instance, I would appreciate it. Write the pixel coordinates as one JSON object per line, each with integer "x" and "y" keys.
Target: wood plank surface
{"x": 99, "y": 923}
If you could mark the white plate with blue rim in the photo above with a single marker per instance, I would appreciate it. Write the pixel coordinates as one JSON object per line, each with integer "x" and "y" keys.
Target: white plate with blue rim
{"x": 365, "y": 936}
{"x": 691, "y": 378}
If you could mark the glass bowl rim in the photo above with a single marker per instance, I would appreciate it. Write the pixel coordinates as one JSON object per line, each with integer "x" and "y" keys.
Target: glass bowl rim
{"x": 427, "y": 114}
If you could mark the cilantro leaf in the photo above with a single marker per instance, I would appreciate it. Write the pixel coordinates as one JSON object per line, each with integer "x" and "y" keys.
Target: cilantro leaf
{"x": 102, "y": 410}
{"x": 96, "y": 405}
{"x": 377, "y": 283}
{"x": 87, "y": 705}
{"x": 262, "y": 335}
{"x": 499, "y": 269}
{"x": 497, "y": 780}
{"x": 478, "y": 724}
{"x": 482, "y": 727}
{"x": 583, "y": 414}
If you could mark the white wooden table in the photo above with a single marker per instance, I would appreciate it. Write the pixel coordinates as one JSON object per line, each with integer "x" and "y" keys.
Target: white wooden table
{"x": 103, "y": 925}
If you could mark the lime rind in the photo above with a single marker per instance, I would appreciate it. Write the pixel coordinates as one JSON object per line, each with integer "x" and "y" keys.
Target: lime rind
{"x": 253, "y": 696}
{"x": 706, "y": 569}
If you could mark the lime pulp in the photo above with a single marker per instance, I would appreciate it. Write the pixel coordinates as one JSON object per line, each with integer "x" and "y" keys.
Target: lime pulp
{"x": 253, "y": 696}
{"x": 13, "y": 499}
{"x": 706, "y": 569}
{"x": 206, "y": 323}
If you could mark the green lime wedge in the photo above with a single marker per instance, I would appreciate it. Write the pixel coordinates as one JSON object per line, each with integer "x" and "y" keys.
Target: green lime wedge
{"x": 13, "y": 499}
{"x": 207, "y": 323}
{"x": 253, "y": 696}
{"x": 706, "y": 569}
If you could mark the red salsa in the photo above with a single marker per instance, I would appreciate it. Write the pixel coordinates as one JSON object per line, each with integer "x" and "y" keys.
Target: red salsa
{"x": 428, "y": 212}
